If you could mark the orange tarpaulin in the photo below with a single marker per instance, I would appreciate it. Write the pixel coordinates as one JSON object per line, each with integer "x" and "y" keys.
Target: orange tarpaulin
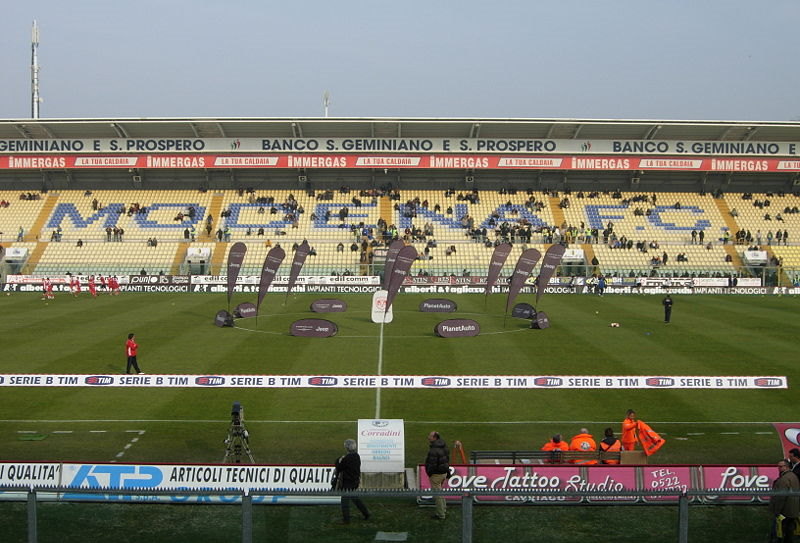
{"x": 650, "y": 440}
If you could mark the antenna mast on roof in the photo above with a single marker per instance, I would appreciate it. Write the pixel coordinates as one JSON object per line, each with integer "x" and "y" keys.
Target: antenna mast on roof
{"x": 35, "y": 99}
{"x": 326, "y": 101}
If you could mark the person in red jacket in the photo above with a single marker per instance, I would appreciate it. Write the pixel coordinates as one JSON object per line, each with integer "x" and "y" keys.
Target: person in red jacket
{"x": 130, "y": 349}
{"x": 555, "y": 447}
{"x": 583, "y": 442}
{"x": 610, "y": 444}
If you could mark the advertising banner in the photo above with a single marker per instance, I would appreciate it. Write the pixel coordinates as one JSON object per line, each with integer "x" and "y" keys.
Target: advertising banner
{"x": 235, "y": 258}
{"x": 235, "y": 477}
{"x": 269, "y": 269}
{"x": 462, "y": 161}
{"x": 299, "y": 259}
{"x": 552, "y": 258}
{"x": 391, "y": 257}
{"x": 677, "y": 478}
{"x": 313, "y": 328}
{"x": 598, "y": 382}
{"x": 499, "y": 257}
{"x": 381, "y": 311}
{"x": 381, "y": 444}
{"x": 527, "y": 261}
{"x": 405, "y": 258}
{"x": 254, "y": 152}
{"x": 600, "y": 478}
{"x": 789, "y": 433}
{"x": 736, "y": 478}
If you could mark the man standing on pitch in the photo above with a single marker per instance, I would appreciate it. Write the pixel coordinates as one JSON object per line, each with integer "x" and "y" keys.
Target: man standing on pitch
{"x": 667, "y": 303}
{"x": 348, "y": 477}
{"x": 130, "y": 349}
{"x": 437, "y": 465}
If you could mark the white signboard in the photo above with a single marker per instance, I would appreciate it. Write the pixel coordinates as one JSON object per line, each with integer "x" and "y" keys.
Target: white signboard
{"x": 379, "y": 311}
{"x": 381, "y": 444}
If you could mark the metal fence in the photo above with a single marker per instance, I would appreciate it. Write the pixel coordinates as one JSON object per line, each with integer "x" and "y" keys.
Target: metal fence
{"x": 681, "y": 500}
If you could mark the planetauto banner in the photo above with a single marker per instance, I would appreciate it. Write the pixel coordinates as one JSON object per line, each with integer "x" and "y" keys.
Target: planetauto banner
{"x": 165, "y": 477}
{"x": 603, "y": 382}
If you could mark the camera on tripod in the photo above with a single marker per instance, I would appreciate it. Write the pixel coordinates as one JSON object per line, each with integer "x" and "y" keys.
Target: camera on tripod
{"x": 237, "y": 414}
{"x": 238, "y": 441}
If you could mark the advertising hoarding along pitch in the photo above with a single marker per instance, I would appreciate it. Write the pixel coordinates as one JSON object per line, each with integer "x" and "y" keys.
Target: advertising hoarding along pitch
{"x": 599, "y": 382}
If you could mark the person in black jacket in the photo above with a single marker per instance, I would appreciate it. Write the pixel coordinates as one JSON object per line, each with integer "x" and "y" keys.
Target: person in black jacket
{"x": 794, "y": 460}
{"x": 667, "y": 303}
{"x": 437, "y": 466}
{"x": 348, "y": 477}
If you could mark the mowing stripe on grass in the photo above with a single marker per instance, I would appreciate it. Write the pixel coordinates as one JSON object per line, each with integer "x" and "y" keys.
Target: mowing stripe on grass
{"x": 448, "y": 422}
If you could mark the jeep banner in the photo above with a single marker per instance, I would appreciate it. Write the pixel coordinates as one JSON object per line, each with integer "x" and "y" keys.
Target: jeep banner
{"x": 499, "y": 257}
{"x": 552, "y": 258}
{"x": 313, "y": 328}
{"x": 299, "y": 259}
{"x": 235, "y": 259}
{"x": 405, "y": 258}
{"x": 391, "y": 257}
{"x": 527, "y": 261}
{"x": 269, "y": 269}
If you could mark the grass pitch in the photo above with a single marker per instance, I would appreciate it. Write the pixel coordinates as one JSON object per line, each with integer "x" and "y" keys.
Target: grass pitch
{"x": 709, "y": 335}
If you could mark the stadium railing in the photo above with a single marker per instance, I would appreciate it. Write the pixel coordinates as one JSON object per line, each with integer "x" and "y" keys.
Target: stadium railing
{"x": 467, "y": 498}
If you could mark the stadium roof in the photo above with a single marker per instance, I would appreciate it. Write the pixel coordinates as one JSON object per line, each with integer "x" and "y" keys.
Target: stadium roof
{"x": 316, "y": 127}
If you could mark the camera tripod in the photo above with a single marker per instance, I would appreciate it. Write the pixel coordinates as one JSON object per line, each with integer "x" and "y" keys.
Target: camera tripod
{"x": 237, "y": 444}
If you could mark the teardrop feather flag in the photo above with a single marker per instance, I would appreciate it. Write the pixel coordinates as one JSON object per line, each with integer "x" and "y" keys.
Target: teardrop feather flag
{"x": 527, "y": 261}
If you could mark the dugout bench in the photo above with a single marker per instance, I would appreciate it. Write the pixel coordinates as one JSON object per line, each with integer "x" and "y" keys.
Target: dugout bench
{"x": 555, "y": 457}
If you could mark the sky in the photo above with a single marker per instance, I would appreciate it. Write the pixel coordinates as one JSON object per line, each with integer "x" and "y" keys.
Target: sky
{"x": 681, "y": 59}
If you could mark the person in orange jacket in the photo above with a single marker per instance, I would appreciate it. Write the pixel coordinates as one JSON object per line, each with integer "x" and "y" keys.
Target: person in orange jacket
{"x": 610, "y": 444}
{"x": 583, "y": 442}
{"x": 555, "y": 446}
{"x": 630, "y": 426}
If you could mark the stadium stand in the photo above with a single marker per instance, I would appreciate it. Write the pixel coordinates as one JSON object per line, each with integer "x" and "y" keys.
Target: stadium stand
{"x": 453, "y": 231}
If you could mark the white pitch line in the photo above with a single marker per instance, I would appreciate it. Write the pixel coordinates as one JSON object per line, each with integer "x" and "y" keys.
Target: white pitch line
{"x": 729, "y": 433}
{"x": 62, "y": 431}
{"x": 26, "y": 431}
{"x": 127, "y": 446}
{"x": 380, "y": 370}
{"x": 98, "y": 431}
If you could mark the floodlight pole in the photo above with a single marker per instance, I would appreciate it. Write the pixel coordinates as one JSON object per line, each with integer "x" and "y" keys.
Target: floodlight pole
{"x": 326, "y": 101}
{"x": 35, "y": 99}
